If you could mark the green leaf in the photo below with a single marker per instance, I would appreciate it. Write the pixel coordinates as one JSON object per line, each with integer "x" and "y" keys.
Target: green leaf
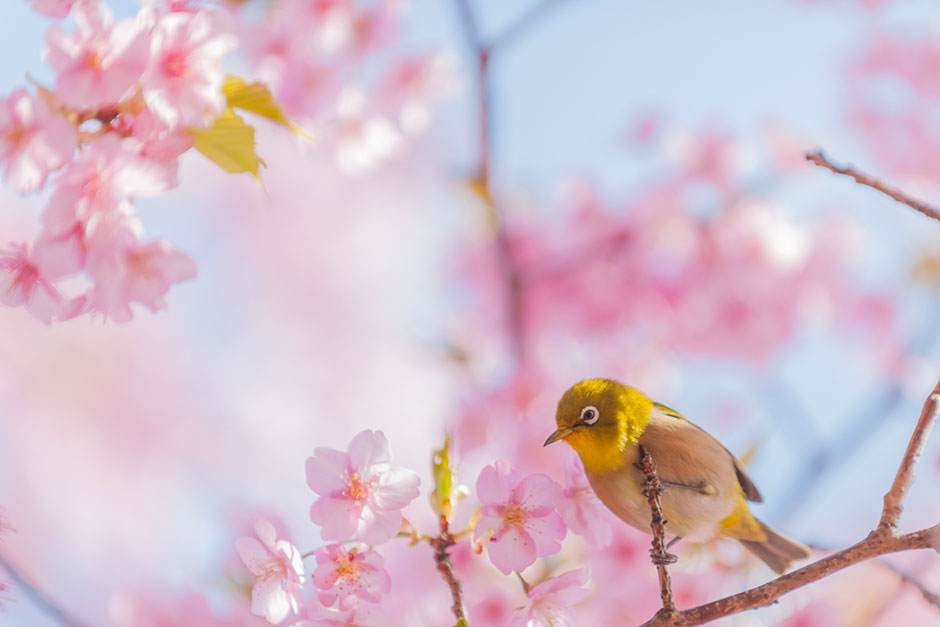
{"x": 230, "y": 143}
{"x": 257, "y": 98}
{"x": 462, "y": 622}
{"x": 442, "y": 501}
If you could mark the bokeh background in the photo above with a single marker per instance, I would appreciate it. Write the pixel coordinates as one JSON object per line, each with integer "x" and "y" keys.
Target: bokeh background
{"x": 647, "y": 181}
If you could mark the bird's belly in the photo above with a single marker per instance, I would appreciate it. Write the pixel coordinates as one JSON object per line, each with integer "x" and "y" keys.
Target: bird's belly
{"x": 688, "y": 513}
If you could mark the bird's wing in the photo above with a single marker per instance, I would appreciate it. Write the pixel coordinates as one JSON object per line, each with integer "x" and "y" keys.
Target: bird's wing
{"x": 750, "y": 490}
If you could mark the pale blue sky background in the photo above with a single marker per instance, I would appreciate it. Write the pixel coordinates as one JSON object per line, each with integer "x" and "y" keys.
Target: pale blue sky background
{"x": 565, "y": 94}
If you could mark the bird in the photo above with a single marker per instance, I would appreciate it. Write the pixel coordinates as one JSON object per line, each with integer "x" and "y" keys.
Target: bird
{"x": 706, "y": 488}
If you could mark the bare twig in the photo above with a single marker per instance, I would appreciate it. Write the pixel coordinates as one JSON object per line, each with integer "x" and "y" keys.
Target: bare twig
{"x": 652, "y": 490}
{"x": 523, "y": 23}
{"x": 905, "y": 476}
{"x": 882, "y": 541}
{"x": 511, "y": 275}
{"x": 861, "y": 178}
{"x": 39, "y": 599}
{"x": 441, "y": 545}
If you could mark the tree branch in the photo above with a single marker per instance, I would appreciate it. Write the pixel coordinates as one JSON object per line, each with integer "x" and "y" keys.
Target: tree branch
{"x": 484, "y": 183}
{"x": 652, "y": 490}
{"x": 441, "y": 545}
{"x": 861, "y": 178}
{"x": 883, "y": 540}
{"x": 523, "y": 23}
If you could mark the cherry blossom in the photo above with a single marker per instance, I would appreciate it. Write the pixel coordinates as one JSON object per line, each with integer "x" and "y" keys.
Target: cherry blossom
{"x": 549, "y": 603}
{"x": 582, "y": 510}
{"x": 279, "y": 570}
{"x": 130, "y": 272}
{"x": 22, "y": 284}
{"x": 343, "y": 576}
{"x": 53, "y": 8}
{"x": 101, "y": 61}
{"x": 361, "y": 493}
{"x": 518, "y": 520}
{"x": 108, "y": 172}
{"x": 183, "y": 83}
{"x": 317, "y": 616}
{"x": 33, "y": 141}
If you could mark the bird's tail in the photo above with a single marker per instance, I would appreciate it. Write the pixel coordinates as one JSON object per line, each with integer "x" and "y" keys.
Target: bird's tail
{"x": 776, "y": 551}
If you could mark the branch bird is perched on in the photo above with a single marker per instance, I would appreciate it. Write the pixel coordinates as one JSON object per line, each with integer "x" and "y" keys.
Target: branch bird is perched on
{"x": 606, "y": 422}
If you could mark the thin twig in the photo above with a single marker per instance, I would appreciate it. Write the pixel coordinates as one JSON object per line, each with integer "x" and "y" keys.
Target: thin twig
{"x": 652, "y": 491}
{"x": 441, "y": 545}
{"x": 905, "y": 476}
{"x": 882, "y": 540}
{"x": 929, "y": 596}
{"x": 511, "y": 275}
{"x": 39, "y": 599}
{"x": 523, "y": 23}
{"x": 861, "y": 178}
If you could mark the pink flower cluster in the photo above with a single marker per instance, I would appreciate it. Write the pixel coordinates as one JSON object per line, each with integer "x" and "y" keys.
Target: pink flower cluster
{"x": 319, "y": 59}
{"x": 694, "y": 262}
{"x": 519, "y": 521}
{"x": 127, "y": 93}
{"x": 361, "y": 496}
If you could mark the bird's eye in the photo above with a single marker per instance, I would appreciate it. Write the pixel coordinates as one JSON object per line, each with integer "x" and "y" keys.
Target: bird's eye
{"x": 589, "y": 415}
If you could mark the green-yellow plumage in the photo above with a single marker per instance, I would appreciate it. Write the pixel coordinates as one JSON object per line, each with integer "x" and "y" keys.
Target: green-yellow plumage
{"x": 606, "y": 422}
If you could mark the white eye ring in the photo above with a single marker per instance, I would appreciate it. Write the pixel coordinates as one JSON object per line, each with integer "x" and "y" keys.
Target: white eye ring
{"x": 589, "y": 415}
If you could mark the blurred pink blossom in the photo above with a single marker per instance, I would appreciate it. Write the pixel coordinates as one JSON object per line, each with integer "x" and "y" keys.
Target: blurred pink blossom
{"x": 317, "y": 616}
{"x": 579, "y": 506}
{"x": 345, "y": 576}
{"x": 99, "y": 63}
{"x": 107, "y": 172}
{"x": 361, "y": 493}
{"x": 183, "y": 84}
{"x": 131, "y": 272}
{"x": 21, "y": 284}
{"x": 518, "y": 521}
{"x": 279, "y": 570}
{"x": 33, "y": 141}
{"x": 550, "y": 602}
{"x": 53, "y": 8}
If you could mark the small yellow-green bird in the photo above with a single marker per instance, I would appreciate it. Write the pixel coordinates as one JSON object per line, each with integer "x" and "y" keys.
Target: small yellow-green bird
{"x": 707, "y": 490}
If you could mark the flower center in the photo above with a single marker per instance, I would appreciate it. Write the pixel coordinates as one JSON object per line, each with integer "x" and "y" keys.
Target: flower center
{"x": 357, "y": 490}
{"x": 174, "y": 64}
{"x": 16, "y": 135}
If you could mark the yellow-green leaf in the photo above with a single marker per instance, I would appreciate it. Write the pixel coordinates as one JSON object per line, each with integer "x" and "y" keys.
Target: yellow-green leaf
{"x": 444, "y": 479}
{"x": 256, "y": 98}
{"x": 230, "y": 143}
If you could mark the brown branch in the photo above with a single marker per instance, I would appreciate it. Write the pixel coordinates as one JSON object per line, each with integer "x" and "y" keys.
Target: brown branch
{"x": 523, "y": 23}
{"x": 861, "y": 178}
{"x": 882, "y": 541}
{"x": 905, "y": 476}
{"x": 652, "y": 490}
{"x": 441, "y": 545}
{"x": 484, "y": 183}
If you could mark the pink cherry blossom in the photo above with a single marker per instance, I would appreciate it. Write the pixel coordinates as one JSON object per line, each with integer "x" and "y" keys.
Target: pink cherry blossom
{"x": 550, "y": 602}
{"x": 33, "y": 141}
{"x": 135, "y": 272}
{"x": 183, "y": 83}
{"x": 279, "y": 570}
{"x": 344, "y": 576}
{"x": 22, "y": 284}
{"x": 317, "y": 616}
{"x": 518, "y": 518}
{"x": 108, "y": 172}
{"x": 361, "y": 493}
{"x": 579, "y": 506}
{"x": 99, "y": 63}
{"x": 53, "y": 8}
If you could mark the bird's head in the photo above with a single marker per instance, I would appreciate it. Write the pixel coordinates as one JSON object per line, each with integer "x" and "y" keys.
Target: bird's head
{"x": 599, "y": 418}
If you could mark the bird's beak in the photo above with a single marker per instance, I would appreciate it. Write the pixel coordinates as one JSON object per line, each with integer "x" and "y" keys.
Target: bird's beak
{"x": 560, "y": 434}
